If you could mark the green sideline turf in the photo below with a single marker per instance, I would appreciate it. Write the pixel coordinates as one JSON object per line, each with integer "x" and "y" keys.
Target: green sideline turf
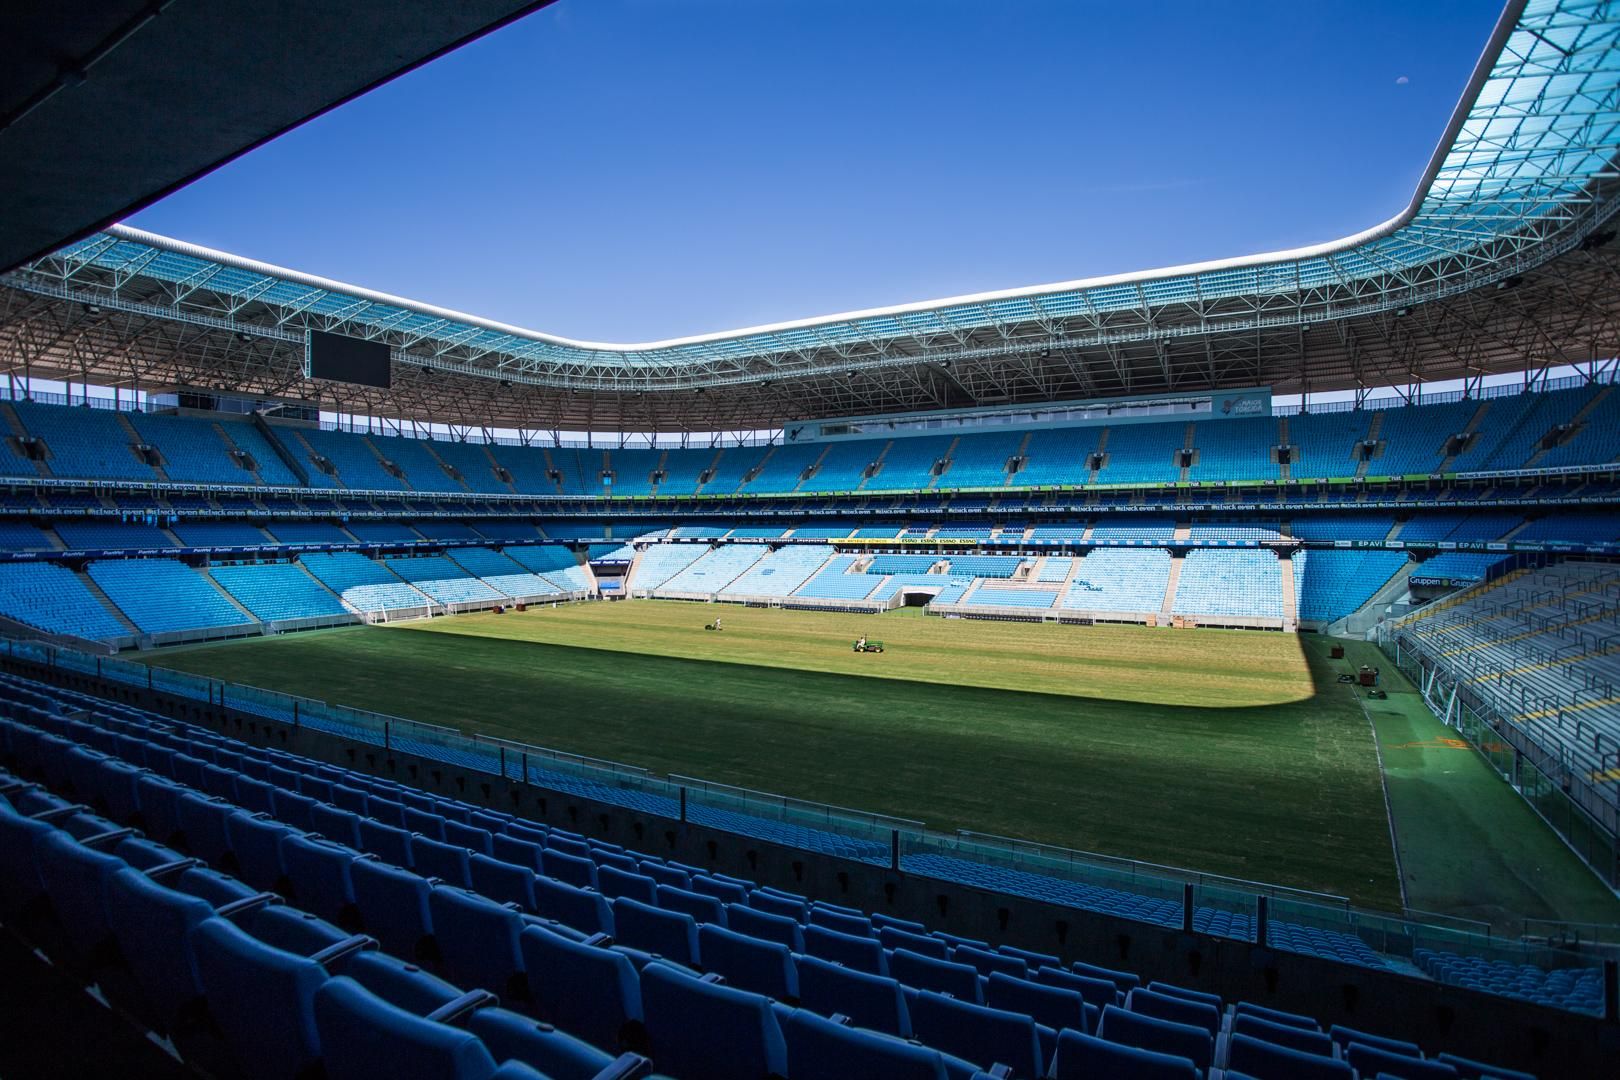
{"x": 1209, "y": 749}
{"x": 1470, "y": 847}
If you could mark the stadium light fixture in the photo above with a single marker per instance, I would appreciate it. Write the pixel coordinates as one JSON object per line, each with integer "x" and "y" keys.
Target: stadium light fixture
{"x": 1402, "y": 312}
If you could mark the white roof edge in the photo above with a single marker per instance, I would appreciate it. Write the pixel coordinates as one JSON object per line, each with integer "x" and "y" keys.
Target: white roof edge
{"x": 1504, "y": 26}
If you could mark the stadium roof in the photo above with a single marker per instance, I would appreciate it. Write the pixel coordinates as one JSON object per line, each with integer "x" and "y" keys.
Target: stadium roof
{"x": 107, "y": 106}
{"x": 1501, "y": 261}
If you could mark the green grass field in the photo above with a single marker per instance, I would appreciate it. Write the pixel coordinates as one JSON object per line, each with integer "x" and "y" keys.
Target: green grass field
{"x": 1234, "y": 752}
{"x": 1227, "y": 751}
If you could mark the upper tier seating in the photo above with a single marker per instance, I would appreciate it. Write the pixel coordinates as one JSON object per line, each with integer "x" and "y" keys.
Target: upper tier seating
{"x": 473, "y": 462}
{"x": 163, "y": 596}
{"x": 276, "y": 591}
{"x": 192, "y": 450}
{"x": 53, "y": 598}
{"x": 632, "y": 471}
{"x": 1056, "y": 456}
{"x": 352, "y": 455}
{"x": 415, "y": 458}
{"x": 1235, "y": 449}
{"x": 782, "y": 469}
{"x": 909, "y": 463}
{"x": 90, "y": 444}
{"x": 1142, "y": 453}
{"x": 843, "y": 466}
{"x": 251, "y": 441}
{"x": 1510, "y": 432}
{"x": 1324, "y": 444}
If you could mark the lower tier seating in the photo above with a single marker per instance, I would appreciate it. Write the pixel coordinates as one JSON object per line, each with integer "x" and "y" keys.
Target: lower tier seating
{"x": 461, "y": 926}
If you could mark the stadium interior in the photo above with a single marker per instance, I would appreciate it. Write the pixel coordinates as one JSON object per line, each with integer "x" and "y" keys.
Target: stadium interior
{"x": 264, "y": 884}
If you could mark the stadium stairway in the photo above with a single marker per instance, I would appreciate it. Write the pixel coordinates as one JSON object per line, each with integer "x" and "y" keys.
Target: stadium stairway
{"x": 1374, "y": 428}
{"x": 1290, "y": 597}
{"x": 236, "y": 451}
{"x": 1468, "y": 430}
{"x": 224, "y": 592}
{"x": 106, "y": 602}
{"x": 1169, "y": 604}
{"x": 1023, "y": 448}
{"x": 135, "y": 440}
{"x": 1577, "y": 423}
{"x": 950, "y": 461}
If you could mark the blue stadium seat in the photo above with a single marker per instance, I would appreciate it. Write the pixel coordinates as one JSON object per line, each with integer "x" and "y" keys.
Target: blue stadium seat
{"x": 986, "y": 962}
{"x": 151, "y": 924}
{"x": 669, "y": 934}
{"x": 1175, "y": 1009}
{"x": 1082, "y": 1057}
{"x": 393, "y": 905}
{"x": 1053, "y": 1006}
{"x": 819, "y": 1049}
{"x": 961, "y": 981}
{"x": 446, "y": 862}
{"x": 698, "y": 1028}
{"x": 1469, "y": 1069}
{"x": 1275, "y": 1016}
{"x": 478, "y": 941}
{"x": 892, "y": 937}
{"x": 1160, "y": 1036}
{"x": 1376, "y": 1061}
{"x": 585, "y": 910}
{"x": 556, "y": 1054}
{"x": 592, "y": 992}
{"x": 362, "y": 1037}
{"x": 764, "y": 925}
{"x": 859, "y": 953}
{"x": 842, "y": 921}
{"x": 318, "y": 872}
{"x": 764, "y": 967}
{"x": 389, "y": 843}
{"x": 977, "y": 1033}
{"x": 704, "y": 909}
{"x": 256, "y": 845}
{"x": 502, "y": 882}
{"x": 614, "y": 882}
{"x": 1295, "y": 1038}
{"x": 262, "y": 999}
{"x": 871, "y": 1001}
{"x": 517, "y": 851}
{"x": 1268, "y": 1061}
{"x": 75, "y": 878}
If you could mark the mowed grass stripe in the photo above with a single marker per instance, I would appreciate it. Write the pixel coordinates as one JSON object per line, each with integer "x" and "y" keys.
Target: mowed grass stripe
{"x": 1022, "y": 730}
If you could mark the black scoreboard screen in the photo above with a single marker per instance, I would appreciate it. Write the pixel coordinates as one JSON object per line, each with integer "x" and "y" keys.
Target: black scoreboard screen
{"x": 347, "y": 359}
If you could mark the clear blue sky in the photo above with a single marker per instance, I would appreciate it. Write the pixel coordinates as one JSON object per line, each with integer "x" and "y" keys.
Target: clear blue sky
{"x": 626, "y": 170}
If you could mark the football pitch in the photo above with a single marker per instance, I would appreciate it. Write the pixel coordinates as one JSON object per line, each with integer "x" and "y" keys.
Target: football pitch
{"x": 1231, "y": 752}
